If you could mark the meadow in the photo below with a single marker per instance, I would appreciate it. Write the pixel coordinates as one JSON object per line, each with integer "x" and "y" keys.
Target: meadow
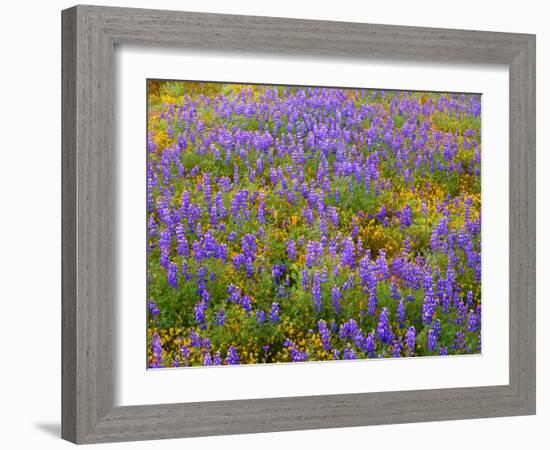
{"x": 290, "y": 224}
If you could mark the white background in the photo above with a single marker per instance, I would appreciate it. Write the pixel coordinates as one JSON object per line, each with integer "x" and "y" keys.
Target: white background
{"x": 134, "y": 385}
{"x": 31, "y": 209}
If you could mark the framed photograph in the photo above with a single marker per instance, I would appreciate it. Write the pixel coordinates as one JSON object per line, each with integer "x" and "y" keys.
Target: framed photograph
{"x": 277, "y": 224}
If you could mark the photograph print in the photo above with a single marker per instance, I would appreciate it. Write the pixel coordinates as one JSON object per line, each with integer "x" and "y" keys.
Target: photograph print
{"x": 294, "y": 224}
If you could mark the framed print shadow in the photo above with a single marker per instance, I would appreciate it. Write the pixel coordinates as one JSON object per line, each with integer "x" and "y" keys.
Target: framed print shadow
{"x": 299, "y": 227}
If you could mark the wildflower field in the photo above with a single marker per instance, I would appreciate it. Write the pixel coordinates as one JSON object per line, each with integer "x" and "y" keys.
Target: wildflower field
{"x": 292, "y": 224}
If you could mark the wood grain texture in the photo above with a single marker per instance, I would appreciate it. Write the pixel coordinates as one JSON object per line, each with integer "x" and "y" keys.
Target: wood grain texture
{"x": 522, "y": 204}
{"x": 68, "y": 226}
{"x": 90, "y": 34}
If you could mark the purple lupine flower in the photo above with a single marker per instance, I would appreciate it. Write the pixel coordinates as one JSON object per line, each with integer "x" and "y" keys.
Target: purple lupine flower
{"x": 220, "y": 317}
{"x": 200, "y": 314}
{"x": 183, "y": 245}
{"x": 470, "y": 298}
{"x": 158, "y": 360}
{"x": 382, "y": 265}
{"x": 305, "y": 279}
{"x": 324, "y": 275}
{"x": 234, "y": 294}
{"x": 325, "y": 334}
{"x": 153, "y": 309}
{"x": 249, "y": 246}
{"x": 173, "y": 274}
{"x": 478, "y": 348}
{"x": 198, "y": 251}
{"x": 274, "y": 315}
{"x": 297, "y": 355}
{"x": 473, "y": 323}
{"x": 394, "y": 290}
{"x": 205, "y": 294}
{"x": 152, "y": 226}
{"x": 359, "y": 340}
{"x": 382, "y": 214}
{"x": 246, "y": 303}
{"x": 336, "y": 299}
{"x": 333, "y": 327}
{"x": 291, "y": 249}
{"x": 401, "y": 312}
{"x": 348, "y": 329}
{"x": 432, "y": 340}
{"x": 196, "y": 340}
{"x": 461, "y": 311}
{"x": 262, "y": 209}
{"x": 220, "y": 205}
{"x": 406, "y": 217}
{"x": 370, "y": 344}
{"x": 443, "y": 351}
{"x": 350, "y": 353}
{"x": 347, "y": 255}
{"x": 333, "y": 248}
{"x": 317, "y": 297}
{"x": 308, "y": 215}
{"x": 164, "y": 211}
{"x": 439, "y": 235}
{"x": 460, "y": 341}
{"x": 314, "y": 251}
{"x": 278, "y": 271}
{"x": 410, "y": 339}
{"x": 384, "y": 328}
{"x": 232, "y": 356}
{"x": 185, "y": 352}
{"x": 437, "y": 328}
{"x": 369, "y": 280}
{"x": 430, "y": 301}
{"x": 260, "y": 316}
{"x": 333, "y": 215}
{"x": 397, "y": 348}
{"x": 164, "y": 245}
{"x": 354, "y": 227}
{"x": 349, "y": 283}
{"x": 249, "y": 266}
{"x": 206, "y": 358}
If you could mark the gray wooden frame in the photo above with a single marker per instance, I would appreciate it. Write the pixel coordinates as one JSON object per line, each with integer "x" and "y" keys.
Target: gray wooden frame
{"x": 89, "y": 36}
